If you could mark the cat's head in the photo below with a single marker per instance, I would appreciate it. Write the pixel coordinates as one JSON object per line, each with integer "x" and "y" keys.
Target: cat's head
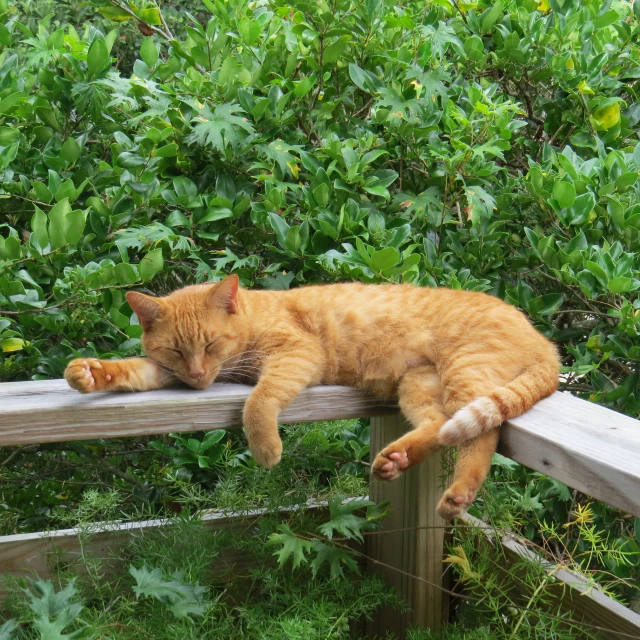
{"x": 194, "y": 331}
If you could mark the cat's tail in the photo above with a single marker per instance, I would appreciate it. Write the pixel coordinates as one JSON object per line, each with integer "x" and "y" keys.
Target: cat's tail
{"x": 488, "y": 412}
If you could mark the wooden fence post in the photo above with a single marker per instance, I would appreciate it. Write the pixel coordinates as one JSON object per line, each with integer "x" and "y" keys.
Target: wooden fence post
{"x": 417, "y": 551}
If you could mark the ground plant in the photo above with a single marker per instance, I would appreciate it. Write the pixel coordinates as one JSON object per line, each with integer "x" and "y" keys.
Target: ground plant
{"x": 490, "y": 146}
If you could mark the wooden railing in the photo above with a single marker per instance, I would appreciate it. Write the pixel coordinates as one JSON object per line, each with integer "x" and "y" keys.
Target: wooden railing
{"x": 588, "y": 447}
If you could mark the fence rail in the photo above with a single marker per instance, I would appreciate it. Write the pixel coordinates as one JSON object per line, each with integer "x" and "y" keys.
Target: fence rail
{"x": 583, "y": 445}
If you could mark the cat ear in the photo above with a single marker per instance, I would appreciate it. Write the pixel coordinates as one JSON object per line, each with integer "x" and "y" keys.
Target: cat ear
{"x": 225, "y": 294}
{"x": 147, "y": 309}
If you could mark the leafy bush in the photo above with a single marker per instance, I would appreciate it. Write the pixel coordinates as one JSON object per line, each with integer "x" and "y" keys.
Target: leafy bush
{"x": 197, "y": 590}
{"x": 490, "y": 149}
{"x": 475, "y": 145}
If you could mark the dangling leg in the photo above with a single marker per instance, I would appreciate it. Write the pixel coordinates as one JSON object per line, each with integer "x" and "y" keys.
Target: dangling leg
{"x": 472, "y": 467}
{"x": 419, "y": 399}
{"x": 463, "y": 382}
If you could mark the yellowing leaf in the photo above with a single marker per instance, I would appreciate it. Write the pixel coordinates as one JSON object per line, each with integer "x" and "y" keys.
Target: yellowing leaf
{"x": 607, "y": 117}
{"x": 11, "y": 344}
{"x": 583, "y": 87}
{"x": 294, "y": 168}
{"x": 543, "y": 6}
{"x": 570, "y": 64}
{"x": 459, "y": 557}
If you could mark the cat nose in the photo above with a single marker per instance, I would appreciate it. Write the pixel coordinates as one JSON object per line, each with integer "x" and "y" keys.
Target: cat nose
{"x": 196, "y": 373}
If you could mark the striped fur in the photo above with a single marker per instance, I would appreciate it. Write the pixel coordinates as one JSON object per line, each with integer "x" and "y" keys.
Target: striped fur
{"x": 459, "y": 362}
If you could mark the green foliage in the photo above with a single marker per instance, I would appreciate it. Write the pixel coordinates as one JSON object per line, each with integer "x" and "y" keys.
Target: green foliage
{"x": 195, "y": 589}
{"x": 181, "y": 599}
{"x": 475, "y": 145}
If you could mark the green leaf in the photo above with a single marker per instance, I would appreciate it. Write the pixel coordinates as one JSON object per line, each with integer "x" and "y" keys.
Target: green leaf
{"x": 605, "y": 19}
{"x": 344, "y": 521}
{"x": 220, "y": 128}
{"x": 7, "y": 629}
{"x": 182, "y": 599}
{"x": 97, "y": 57}
{"x": 385, "y": 259}
{"x": 304, "y": 86}
{"x": 8, "y": 135}
{"x": 58, "y": 223}
{"x": 39, "y": 228}
{"x": 597, "y": 271}
{"x": 491, "y": 16}
{"x": 48, "y": 117}
{"x": 564, "y": 193}
{"x": 293, "y": 240}
{"x": 582, "y": 207}
{"x": 335, "y": 49}
{"x": 621, "y": 284}
{"x": 358, "y": 76}
{"x": 225, "y": 187}
{"x": 545, "y": 305}
{"x": 280, "y": 227}
{"x": 125, "y": 273}
{"x": 292, "y": 546}
{"x": 150, "y": 15}
{"x": 113, "y": 13}
{"x": 335, "y": 557}
{"x": 6, "y": 104}
{"x": 213, "y": 214}
{"x": 249, "y": 30}
{"x": 474, "y": 48}
{"x": 149, "y": 52}
{"x": 150, "y": 264}
{"x": 70, "y": 150}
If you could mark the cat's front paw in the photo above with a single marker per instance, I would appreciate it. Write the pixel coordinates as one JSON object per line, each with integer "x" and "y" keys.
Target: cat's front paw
{"x": 455, "y": 500}
{"x": 87, "y": 375}
{"x": 266, "y": 450}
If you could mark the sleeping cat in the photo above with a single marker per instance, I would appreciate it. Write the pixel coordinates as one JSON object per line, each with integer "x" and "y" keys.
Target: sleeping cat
{"x": 460, "y": 363}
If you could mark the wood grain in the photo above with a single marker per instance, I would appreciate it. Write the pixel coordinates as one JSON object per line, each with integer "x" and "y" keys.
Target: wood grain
{"x": 49, "y": 411}
{"x": 584, "y": 445}
{"x": 571, "y": 592}
{"x": 418, "y": 549}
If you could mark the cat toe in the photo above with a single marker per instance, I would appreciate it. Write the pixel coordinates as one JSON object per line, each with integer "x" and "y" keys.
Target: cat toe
{"x": 455, "y": 502}
{"x": 389, "y": 466}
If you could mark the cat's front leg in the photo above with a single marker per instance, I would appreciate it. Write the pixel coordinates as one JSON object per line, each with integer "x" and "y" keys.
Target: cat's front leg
{"x": 283, "y": 377}
{"x": 133, "y": 374}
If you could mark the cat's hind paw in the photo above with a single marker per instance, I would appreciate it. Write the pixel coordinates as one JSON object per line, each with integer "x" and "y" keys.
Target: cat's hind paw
{"x": 390, "y": 465}
{"x": 455, "y": 501}
{"x": 86, "y": 375}
{"x": 409, "y": 450}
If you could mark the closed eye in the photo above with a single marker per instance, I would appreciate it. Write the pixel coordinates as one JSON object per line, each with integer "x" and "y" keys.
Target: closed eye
{"x": 210, "y": 345}
{"x": 176, "y": 351}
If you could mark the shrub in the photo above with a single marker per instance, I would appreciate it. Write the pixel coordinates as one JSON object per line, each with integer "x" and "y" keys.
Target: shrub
{"x": 475, "y": 145}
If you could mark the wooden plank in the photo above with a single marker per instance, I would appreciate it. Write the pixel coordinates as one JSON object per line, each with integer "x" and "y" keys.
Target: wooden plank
{"x": 418, "y": 552}
{"x": 49, "y": 411}
{"x": 572, "y": 592}
{"x": 38, "y": 554}
{"x": 586, "y": 446}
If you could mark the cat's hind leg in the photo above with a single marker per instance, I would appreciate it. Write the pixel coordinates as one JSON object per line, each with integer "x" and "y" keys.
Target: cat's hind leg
{"x": 419, "y": 397}
{"x": 472, "y": 467}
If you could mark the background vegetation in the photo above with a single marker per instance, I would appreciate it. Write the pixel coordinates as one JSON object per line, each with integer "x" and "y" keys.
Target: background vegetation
{"x": 476, "y": 145}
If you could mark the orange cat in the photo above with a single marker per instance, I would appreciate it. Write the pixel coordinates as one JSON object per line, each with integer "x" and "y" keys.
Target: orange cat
{"x": 460, "y": 363}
